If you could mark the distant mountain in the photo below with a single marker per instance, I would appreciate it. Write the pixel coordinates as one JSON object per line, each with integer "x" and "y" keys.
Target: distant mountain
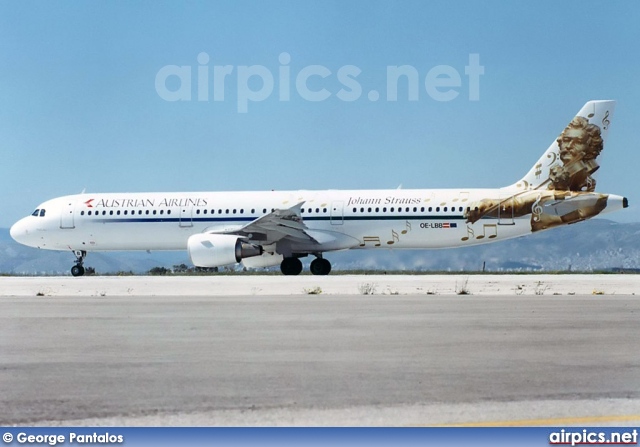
{"x": 18, "y": 259}
{"x": 592, "y": 245}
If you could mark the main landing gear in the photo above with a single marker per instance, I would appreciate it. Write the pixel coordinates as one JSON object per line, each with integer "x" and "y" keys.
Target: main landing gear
{"x": 78, "y": 269}
{"x": 320, "y": 266}
{"x": 293, "y": 266}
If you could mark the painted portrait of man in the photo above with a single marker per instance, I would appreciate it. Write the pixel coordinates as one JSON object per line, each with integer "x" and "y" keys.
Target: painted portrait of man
{"x": 579, "y": 145}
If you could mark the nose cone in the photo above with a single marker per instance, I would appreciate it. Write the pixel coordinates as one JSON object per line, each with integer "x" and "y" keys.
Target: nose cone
{"x": 19, "y": 232}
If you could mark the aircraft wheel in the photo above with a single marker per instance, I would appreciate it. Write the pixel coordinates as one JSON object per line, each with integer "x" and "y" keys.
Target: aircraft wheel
{"x": 77, "y": 270}
{"x": 291, "y": 266}
{"x": 320, "y": 266}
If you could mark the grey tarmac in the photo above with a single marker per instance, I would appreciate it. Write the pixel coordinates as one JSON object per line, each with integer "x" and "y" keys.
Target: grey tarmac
{"x": 320, "y": 360}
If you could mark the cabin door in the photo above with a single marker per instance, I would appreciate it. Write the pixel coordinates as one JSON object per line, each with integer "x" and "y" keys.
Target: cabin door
{"x": 186, "y": 216}
{"x": 66, "y": 218}
{"x": 337, "y": 212}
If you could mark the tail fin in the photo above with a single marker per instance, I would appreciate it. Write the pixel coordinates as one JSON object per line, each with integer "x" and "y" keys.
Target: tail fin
{"x": 571, "y": 161}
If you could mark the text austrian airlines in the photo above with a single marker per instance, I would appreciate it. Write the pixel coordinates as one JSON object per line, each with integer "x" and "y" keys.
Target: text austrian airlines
{"x": 262, "y": 229}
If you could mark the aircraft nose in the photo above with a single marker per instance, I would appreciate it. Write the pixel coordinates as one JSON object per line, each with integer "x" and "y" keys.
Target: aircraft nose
{"x": 19, "y": 232}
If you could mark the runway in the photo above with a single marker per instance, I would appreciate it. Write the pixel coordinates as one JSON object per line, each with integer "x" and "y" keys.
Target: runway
{"x": 320, "y": 360}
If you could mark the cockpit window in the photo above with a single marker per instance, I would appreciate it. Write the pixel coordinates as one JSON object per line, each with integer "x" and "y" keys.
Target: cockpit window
{"x": 35, "y": 213}
{"x": 42, "y": 212}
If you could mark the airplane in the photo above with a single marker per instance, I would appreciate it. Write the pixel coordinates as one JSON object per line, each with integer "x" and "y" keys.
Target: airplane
{"x": 267, "y": 228}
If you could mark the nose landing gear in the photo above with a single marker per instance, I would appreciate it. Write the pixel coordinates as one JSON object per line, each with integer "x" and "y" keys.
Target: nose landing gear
{"x": 78, "y": 269}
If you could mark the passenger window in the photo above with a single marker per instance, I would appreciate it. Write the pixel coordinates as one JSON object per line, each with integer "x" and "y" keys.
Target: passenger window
{"x": 88, "y": 213}
{"x": 161, "y": 211}
{"x": 168, "y": 211}
{"x": 154, "y": 212}
{"x": 437, "y": 209}
{"x": 445, "y": 209}
{"x": 111, "y": 213}
{"x": 125, "y": 212}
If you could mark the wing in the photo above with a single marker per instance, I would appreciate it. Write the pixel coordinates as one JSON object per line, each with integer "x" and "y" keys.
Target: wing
{"x": 274, "y": 226}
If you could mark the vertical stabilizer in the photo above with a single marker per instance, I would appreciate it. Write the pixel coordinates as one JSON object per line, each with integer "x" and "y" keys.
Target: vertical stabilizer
{"x": 572, "y": 159}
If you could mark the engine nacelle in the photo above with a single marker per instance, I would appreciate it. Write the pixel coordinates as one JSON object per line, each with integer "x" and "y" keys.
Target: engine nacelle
{"x": 216, "y": 250}
{"x": 266, "y": 260}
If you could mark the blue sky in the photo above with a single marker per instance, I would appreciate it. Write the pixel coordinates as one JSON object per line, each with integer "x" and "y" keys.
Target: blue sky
{"x": 79, "y": 108}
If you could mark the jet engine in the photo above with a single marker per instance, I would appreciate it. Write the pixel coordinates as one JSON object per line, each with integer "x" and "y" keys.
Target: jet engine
{"x": 266, "y": 260}
{"x": 215, "y": 250}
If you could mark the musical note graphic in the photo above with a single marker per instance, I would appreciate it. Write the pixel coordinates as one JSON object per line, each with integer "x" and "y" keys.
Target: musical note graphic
{"x": 590, "y": 184}
{"x": 493, "y": 227}
{"x": 538, "y": 170}
{"x": 536, "y": 209}
{"x": 555, "y": 157}
{"x": 593, "y": 112}
{"x": 470, "y": 233}
{"x": 374, "y": 239}
{"x": 394, "y": 238}
{"x": 605, "y": 121}
{"x": 407, "y": 228}
{"x": 462, "y": 197}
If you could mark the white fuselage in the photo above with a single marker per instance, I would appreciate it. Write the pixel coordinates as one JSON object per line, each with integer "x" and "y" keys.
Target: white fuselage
{"x": 164, "y": 221}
